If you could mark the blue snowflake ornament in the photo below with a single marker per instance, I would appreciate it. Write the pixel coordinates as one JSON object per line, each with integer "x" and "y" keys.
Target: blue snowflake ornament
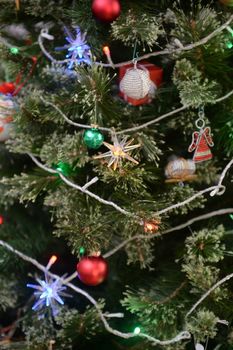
{"x": 48, "y": 293}
{"x": 78, "y": 49}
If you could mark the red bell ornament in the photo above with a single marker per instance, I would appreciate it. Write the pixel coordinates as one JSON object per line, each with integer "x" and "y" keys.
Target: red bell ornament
{"x": 92, "y": 270}
{"x": 106, "y": 10}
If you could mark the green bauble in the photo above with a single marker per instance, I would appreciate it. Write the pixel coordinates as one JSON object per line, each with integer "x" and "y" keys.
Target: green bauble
{"x": 93, "y": 138}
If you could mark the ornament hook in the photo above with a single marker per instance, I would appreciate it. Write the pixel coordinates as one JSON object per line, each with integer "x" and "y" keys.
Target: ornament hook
{"x": 200, "y": 122}
{"x": 135, "y": 54}
{"x": 201, "y": 112}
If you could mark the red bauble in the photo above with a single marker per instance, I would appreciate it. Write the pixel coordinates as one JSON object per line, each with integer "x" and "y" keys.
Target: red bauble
{"x": 7, "y": 88}
{"x": 106, "y": 10}
{"x": 92, "y": 270}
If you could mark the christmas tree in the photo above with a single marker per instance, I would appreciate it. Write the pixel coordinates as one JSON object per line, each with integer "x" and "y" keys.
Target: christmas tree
{"x": 116, "y": 147}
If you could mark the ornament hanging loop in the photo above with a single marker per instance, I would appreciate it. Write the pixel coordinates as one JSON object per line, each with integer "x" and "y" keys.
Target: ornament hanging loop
{"x": 201, "y": 112}
{"x": 135, "y": 55}
{"x": 135, "y": 63}
{"x": 200, "y": 122}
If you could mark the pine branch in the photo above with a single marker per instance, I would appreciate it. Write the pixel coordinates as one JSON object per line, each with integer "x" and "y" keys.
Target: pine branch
{"x": 173, "y": 229}
{"x": 189, "y": 47}
{"x": 181, "y": 336}
{"x": 136, "y": 128}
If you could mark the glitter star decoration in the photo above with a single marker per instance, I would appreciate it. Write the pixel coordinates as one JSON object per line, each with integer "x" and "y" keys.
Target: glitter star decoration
{"x": 118, "y": 151}
{"x": 48, "y": 291}
{"x": 78, "y": 49}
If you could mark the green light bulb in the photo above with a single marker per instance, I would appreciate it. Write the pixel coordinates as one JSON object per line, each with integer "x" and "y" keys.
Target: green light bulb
{"x": 81, "y": 250}
{"x": 63, "y": 168}
{"x": 229, "y": 45}
{"x": 14, "y": 50}
{"x": 137, "y": 330}
{"x": 231, "y": 216}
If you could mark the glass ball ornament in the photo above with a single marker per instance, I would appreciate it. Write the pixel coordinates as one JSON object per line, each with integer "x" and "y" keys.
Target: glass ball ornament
{"x": 106, "y": 10}
{"x": 92, "y": 270}
{"x": 93, "y": 138}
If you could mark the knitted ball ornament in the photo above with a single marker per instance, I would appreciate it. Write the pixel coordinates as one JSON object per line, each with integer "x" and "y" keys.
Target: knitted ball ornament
{"x": 180, "y": 168}
{"x": 136, "y": 83}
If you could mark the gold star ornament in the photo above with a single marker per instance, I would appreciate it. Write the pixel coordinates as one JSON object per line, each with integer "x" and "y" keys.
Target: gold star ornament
{"x": 118, "y": 151}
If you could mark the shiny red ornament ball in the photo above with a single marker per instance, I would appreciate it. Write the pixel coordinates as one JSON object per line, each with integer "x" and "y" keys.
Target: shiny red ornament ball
{"x": 106, "y": 10}
{"x": 7, "y": 88}
{"x": 92, "y": 270}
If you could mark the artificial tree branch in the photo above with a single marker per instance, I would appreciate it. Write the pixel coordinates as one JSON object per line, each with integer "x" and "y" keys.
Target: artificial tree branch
{"x": 204, "y": 296}
{"x": 175, "y": 51}
{"x": 132, "y": 129}
{"x": 153, "y": 121}
{"x": 189, "y": 199}
{"x": 69, "y": 121}
{"x": 181, "y": 336}
{"x": 125, "y": 212}
{"x": 176, "y": 228}
{"x": 173, "y": 295}
{"x": 166, "y": 115}
{"x": 82, "y": 188}
{"x": 44, "y": 34}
